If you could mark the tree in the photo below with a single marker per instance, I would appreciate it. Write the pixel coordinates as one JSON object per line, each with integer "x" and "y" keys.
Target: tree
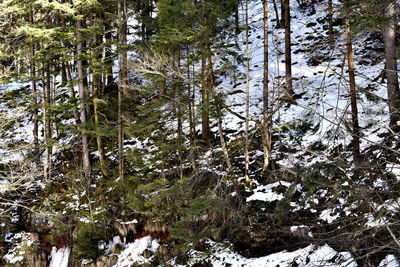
{"x": 34, "y": 91}
{"x": 205, "y": 114}
{"x": 266, "y": 127}
{"x": 353, "y": 98}
{"x": 289, "y": 93}
{"x": 82, "y": 98}
{"x": 247, "y": 116}
{"x": 330, "y": 22}
{"x": 389, "y": 36}
{"x": 122, "y": 79}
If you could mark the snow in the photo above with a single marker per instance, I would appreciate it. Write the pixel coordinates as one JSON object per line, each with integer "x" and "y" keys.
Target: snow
{"x": 133, "y": 252}
{"x": 266, "y": 193}
{"x": 309, "y": 256}
{"x": 328, "y": 215}
{"x": 59, "y": 258}
{"x": 390, "y": 261}
{"x": 328, "y": 105}
{"x": 17, "y": 252}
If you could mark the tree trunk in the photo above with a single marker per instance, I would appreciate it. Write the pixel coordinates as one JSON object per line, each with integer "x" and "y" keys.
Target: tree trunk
{"x": 82, "y": 105}
{"x": 237, "y": 27}
{"x": 108, "y": 56}
{"x": 122, "y": 81}
{"x": 34, "y": 91}
{"x": 265, "y": 126}
{"x": 289, "y": 93}
{"x": 219, "y": 121}
{"x": 46, "y": 120}
{"x": 191, "y": 114}
{"x": 278, "y": 22}
{"x": 64, "y": 80}
{"x": 283, "y": 13}
{"x": 246, "y": 149}
{"x": 389, "y": 34}
{"x": 205, "y": 116}
{"x": 353, "y": 98}
{"x": 96, "y": 97}
{"x": 179, "y": 115}
{"x": 49, "y": 145}
{"x": 70, "y": 84}
{"x": 330, "y": 22}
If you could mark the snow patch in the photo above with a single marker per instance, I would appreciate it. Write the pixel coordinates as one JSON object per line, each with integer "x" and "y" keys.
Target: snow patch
{"x": 59, "y": 258}
{"x": 133, "y": 252}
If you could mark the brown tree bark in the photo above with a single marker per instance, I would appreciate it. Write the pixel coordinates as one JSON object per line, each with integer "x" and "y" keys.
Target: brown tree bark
{"x": 46, "y": 95}
{"x": 289, "y": 93}
{"x": 205, "y": 116}
{"x": 97, "y": 93}
{"x": 330, "y": 22}
{"x": 192, "y": 130}
{"x": 237, "y": 27}
{"x": 278, "y": 22}
{"x": 219, "y": 121}
{"x": 34, "y": 91}
{"x": 70, "y": 84}
{"x": 246, "y": 148}
{"x": 179, "y": 115}
{"x": 122, "y": 80}
{"x": 353, "y": 99}
{"x": 283, "y": 13}
{"x": 389, "y": 36}
{"x": 82, "y": 104}
{"x": 108, "y": 77}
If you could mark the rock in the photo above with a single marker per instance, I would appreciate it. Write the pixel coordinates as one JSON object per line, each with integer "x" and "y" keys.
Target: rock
{"x": 147, "y": 253}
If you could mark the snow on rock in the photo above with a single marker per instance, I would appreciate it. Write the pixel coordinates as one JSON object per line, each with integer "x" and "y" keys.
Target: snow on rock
{"x": 22, "y": 241}
{"x": 133, "y": 252}
{"x": 59, "y": 258}
{"x": 329, "y": 215}
{"x": 266, "y": 193}
{"x": 390, "y": 261}
{"x": 306, "y": 257}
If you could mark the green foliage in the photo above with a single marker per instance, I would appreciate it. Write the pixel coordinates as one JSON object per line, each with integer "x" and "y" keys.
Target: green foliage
{"x": 86, "y": 239}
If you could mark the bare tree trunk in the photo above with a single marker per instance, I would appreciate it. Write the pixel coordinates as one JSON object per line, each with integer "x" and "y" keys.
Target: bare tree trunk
{"x": 179, "y": 115}
{"x": 49, "y": 145}
{"x": 96, "y": 97}
{"x": 122, "y": 81}
{"x": 82, "y": 105}
{"x": 330, "y": 22}
{"x": 237, "y": 27}
{"x": 205, "y": 116}
{"x": 353, "y": 98}
{"x": 389, "y": 34}
{"x": 266, "y": 130}
{"x": 219, "y": 121}
{"x": 205, "y": 120}
{"x": 46, "y": 117}
{"x": 191, "y": 113}
{"x": 70, "y": 84}
{"x": 34, "y": 90}
{"x": 278, "y": 22}
{"x": 64, "y": 80}
{"x": 108, "y": 56}
{"x": 283, "y": 13}
{"x": 246, "y": 149}
{"x": 288, "y": 53}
